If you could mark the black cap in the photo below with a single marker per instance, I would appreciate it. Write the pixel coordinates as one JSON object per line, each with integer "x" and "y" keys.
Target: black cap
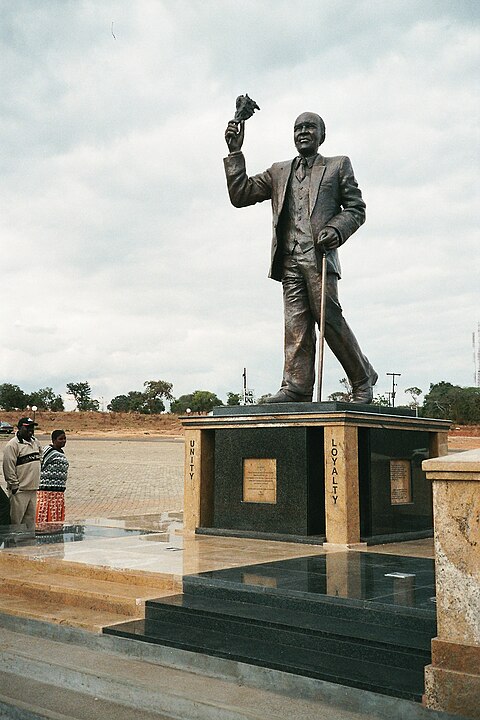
{"x": 26, "y": 421}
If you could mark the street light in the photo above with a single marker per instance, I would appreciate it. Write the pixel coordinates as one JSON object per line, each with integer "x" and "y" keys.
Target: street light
{"x": 34, "y": 410}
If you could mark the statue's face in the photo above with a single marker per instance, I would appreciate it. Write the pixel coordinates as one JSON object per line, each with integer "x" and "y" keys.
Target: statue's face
{"x": 307, "y": 133}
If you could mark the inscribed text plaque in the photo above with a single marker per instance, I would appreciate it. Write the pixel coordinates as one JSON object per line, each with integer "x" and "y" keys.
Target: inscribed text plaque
{"x": 400, "y": 482}
{"x": 260, "y": 480}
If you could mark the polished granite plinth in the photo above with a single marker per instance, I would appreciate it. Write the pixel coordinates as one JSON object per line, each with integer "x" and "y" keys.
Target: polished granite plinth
{"x": 355, "y": 618}
{"x": 348, "y": 473}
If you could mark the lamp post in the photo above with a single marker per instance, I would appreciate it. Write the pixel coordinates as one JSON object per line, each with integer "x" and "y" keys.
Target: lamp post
{"x": 34, "y": 410}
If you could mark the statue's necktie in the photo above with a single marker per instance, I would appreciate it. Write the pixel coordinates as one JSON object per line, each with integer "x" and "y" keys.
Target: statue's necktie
{"x": 301, "y": 171}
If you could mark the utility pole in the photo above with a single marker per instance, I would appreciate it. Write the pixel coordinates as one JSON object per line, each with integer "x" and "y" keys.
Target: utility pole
{"x": 394, "y": 385}
{"x": 247, "y": 393}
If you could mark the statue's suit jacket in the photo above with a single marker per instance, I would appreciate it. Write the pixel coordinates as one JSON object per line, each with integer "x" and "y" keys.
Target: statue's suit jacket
{"x": 335, "y": 200}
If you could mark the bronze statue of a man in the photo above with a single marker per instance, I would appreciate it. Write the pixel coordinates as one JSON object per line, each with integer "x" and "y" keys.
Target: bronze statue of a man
{"x": 317, "y": 205}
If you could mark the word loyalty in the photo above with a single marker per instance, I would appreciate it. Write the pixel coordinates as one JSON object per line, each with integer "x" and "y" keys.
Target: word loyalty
{"x": 334, "y": 458}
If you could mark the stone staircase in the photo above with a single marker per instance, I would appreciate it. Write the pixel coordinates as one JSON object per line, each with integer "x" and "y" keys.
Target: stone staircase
{"x": 75, "y": 594}
{"x": 280, "y": 616}
{"x": 53, "y": 672}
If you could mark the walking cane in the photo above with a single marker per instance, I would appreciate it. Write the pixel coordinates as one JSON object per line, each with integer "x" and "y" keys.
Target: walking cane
{"x": 321, "y": 328}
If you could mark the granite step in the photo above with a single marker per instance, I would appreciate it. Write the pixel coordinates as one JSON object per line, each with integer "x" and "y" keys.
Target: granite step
{"x": 416, "y": 620}
{"x": 279, "y": 615}
{"x": 363, "y": 673}
{"x": 396, "y": 645}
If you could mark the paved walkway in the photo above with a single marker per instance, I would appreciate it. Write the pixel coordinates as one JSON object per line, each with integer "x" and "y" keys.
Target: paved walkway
{"x": 117, "y": 478}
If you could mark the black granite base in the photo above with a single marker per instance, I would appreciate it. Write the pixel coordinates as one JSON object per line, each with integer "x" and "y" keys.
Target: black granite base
{"x": 309, "y": 407}
{"x": 378, "y": 516}
{"x": 299, "y": 506}
{"x": 397, "y": 537}
{"x": 363, "y": 620}
{"x": 254, "y": 535}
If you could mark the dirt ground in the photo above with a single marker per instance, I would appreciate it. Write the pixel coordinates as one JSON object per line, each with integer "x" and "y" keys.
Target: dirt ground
{"x": 464, "y": 437}
{"x": 98, "y": 424}
{"x": 135, "y": 425}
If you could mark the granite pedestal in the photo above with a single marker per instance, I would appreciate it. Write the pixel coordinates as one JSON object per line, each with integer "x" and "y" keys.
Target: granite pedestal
{"x": 311, "y": 472}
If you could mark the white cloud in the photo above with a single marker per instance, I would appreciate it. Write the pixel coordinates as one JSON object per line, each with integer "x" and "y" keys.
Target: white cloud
{"x": 114, "y": 216}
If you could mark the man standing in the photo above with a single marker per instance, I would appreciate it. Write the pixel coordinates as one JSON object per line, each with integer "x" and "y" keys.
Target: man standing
{"x": 21, "y": 469}
{"x": 316, "y": 205}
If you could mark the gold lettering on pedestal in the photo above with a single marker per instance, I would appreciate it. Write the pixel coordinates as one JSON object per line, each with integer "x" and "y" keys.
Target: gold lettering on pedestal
{"x": 334, "y": 458}
{"x": 400, "y": 482}
{"x": 192, "y": 459}
{"x": 260, "y": 480}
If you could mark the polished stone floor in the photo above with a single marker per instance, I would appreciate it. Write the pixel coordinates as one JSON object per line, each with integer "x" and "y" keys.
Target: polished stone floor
{"x": 155, "y": 543}
{"x": 355, "y": 577}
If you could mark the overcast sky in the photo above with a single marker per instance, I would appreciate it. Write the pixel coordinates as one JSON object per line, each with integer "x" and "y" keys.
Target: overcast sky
{"x": 123, "y": 260}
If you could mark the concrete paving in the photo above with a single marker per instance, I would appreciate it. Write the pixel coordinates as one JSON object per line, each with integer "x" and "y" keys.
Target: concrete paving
{"x": 169, "y": 683}
{"x": 113, "y": 478}
{"x": 117, "y": 477}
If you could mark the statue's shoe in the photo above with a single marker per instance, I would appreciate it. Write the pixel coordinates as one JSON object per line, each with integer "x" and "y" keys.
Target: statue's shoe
{"x": 363, "y": 392}
{"x": 282, "y": 397}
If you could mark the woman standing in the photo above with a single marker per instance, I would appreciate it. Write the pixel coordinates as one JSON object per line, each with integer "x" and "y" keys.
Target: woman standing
{"x": 53, "y": 480}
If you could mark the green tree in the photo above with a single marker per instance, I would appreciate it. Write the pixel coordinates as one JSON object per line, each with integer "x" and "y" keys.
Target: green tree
{"x": 133, "y": 402}
{"x": 149, "y": 402}
{"x": 81, "y": 392}
{"x": 452, "y": 402}
{"x": 120, "y": 403}
{"x": 233, "y": 398}
{"x": 155, "y": 392}
{"x": 337, "y": 397}
{"x": 45, "y": 399}
{"x": 180, "y": 405}
{"x": 12, "y": 397}
{"x": 198, "y": 401}
{"x": 382, "y": 400}
{"x": 345, "y": 395}
{"x": 414, "y": 393}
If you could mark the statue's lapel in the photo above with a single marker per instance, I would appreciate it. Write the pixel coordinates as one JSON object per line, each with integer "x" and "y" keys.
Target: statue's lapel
{"x": 318, "y": 170}
{"x": 283, "y": 182}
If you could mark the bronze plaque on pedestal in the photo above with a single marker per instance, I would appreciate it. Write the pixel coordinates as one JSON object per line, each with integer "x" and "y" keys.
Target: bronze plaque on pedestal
{"x": 260, "y": 480}
{"x": 400, "y": 482}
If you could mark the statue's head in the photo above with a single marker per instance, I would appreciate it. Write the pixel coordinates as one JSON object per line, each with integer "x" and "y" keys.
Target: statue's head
{"x": 308, "y": 133}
